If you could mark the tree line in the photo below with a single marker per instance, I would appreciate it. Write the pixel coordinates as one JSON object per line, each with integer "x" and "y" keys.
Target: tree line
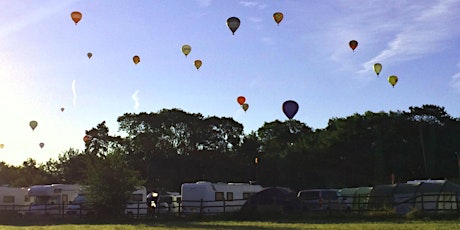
{"x": 162, "y": 150}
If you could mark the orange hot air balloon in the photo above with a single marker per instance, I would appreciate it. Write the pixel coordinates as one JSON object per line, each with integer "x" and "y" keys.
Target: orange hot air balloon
{"x": 186, "y": 49}
{"x": 278, "y": 16}
{"x": 241, "y": 100}
{"x": 87, "y": 138}
{"x": 353, "y": 44}
{"x": 136, "y": 59}
{"x": 393, "y": 79}
{"x": 233, "y": 23}
{"x": 33, "y": 125}
{"x": 89, "y": 55}
{"x": 198, "y": 64}
{"x": 245, "y": 107}
{"x": 76, "y": 16}
{"x": 41, "y": 145}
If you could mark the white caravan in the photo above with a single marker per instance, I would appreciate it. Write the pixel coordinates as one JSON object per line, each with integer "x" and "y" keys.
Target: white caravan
{"x": 169, "y": 202}
{"x": 207, "y": 197}
{"x": 137, "y": 203}
{"x": 51, "y": 199}
{"x": 14, "y": 198}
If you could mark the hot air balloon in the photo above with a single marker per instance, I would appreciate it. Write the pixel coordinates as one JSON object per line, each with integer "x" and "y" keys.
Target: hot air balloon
{"x": 87, "y": 138}
{"x": 393, "y": 79}
{"x": 62, "y": 109}
{"x": 353, "y": 44}
{"x": 89, "y": 55}
{"x": 198, "y": 64}
{"x": 245, "y": 106}
{"x": 76, "y": 16}
{"x": 186, "y": 49}
{"x": 290, "y": 108}
{"x": 241, "y": 100}
{"x": 278, "y": 16}
{"x": 41, "y": 145}
{"x": 136, "y": 59}
{"x": 377, "y": 68}
{"x": 233, "y": 23}
{"x": 33, "y": 125}
{"x": 1, "y": 146}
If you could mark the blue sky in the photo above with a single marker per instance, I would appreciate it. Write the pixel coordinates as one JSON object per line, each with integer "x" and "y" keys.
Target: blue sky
{"x": 306, "y": 58}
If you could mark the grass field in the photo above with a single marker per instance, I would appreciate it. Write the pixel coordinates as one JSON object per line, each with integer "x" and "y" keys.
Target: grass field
{"x": 209, "y": 223}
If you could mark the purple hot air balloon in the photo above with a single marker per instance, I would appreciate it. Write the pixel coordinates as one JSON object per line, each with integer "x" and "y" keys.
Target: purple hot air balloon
{"x": 290, "y": 108}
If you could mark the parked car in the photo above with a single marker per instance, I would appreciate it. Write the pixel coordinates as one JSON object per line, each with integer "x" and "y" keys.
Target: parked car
{"x": 323, "y": 199}
{"x": 169, "y": 202}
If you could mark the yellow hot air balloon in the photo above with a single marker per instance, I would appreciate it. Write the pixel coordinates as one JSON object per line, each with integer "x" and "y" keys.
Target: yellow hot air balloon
{"x": 233, "y": 23}
{"x": 278, "y": 16}
{"x": 393, "y": 79}
{"x": 33, "y": 125}
{"x": 136, "y": 59}
{"x": 1, "y": 146}
{"x": 89, "y": 55}
{"x": 186, "y": 49}
{"x": 198, "y": 64}
{"x": 377, "y": 68}
{"x": 245, "y": 107}
{"x": 76, "y": 16}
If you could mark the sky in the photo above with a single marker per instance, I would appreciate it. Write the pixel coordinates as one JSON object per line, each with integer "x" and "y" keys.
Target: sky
{"x": 306, "y": 58}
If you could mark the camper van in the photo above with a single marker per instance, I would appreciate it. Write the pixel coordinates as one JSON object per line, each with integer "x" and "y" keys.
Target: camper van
{"x": 13, "y": 199}
{"x": 137, "y": 203}
{"x": 207, "y": 197}
{"x": 51, "y": 199}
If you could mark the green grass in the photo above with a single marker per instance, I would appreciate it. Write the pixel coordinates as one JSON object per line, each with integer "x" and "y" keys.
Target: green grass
{"x": 227, "y": 223}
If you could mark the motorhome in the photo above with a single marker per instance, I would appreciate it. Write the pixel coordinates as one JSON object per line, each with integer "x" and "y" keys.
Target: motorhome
{"x": 51, "y": 199}
{"x": 137, "y": 203}
{"x": 14, "y": 199}
{"x": 207, "y": 197}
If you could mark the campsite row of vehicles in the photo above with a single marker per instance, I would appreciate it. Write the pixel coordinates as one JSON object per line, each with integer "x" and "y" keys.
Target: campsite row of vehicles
{"x": 209, "y": 198}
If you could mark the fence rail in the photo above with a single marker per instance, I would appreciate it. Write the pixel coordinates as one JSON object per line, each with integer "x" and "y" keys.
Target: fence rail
{"x": 427, "y": 203}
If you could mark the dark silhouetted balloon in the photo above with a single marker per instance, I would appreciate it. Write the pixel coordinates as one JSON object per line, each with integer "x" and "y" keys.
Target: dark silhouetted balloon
{"x": 290, "y": 108}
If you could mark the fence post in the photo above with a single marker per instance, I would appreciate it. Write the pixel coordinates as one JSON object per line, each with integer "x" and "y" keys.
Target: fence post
{"x": 422, "y": 202}
{"x": 201, "y": 206}
{"x": 224, "y": 205}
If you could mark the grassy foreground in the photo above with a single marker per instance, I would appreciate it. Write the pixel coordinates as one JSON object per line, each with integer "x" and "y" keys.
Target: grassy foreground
{"x": 246, "y": 225}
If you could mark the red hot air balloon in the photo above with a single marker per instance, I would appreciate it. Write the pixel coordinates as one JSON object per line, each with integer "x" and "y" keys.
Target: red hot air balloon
{"x": 87, "y": 138}
{"x": 241, "y": 100}
{"x": 76, "y": 16}
{"x": 290, "y": 108}
{"x": 353, "y": 44}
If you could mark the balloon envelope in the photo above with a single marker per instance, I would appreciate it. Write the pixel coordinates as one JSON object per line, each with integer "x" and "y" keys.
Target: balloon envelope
{"x": 136, "y": 59}
{"x": 76, "y": 16}
{"x": 377, "y": 68}
{"x": 41, "y": 145}
{"x": 393, "y": 79}
{"x": 1, "y": 146}
{"x": 278, "y": 17}
{"x": 89, "y": 55}
{"x": 33, "y": 124}
{"x": 290, "y": 108}
{"x": 353, "y": 44}
{"x": 198, "y": 64}
{"x": 87, "y": 138}
{"x": 186, "y": 49}
{"x": 233, "y": 23}
{"x": 241, "y": 100}
{"x": 245, "y": 107}
{"x": 62, "y": 109}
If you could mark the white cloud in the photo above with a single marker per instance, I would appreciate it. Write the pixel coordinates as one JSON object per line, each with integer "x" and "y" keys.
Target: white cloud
{"x": 136, "y": 99}
{"x": 204, "y": 3}
{"x": 253, "y": 4}
{"x": 456, "y": 79}
{"x": 422, "y": 34}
